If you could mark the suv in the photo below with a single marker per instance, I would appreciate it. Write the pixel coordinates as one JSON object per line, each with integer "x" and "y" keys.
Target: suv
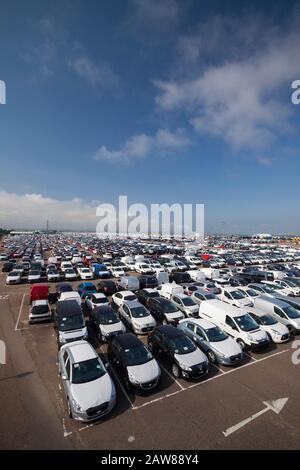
{"x": 89, "y": 389}
{"x": 179, "y": 351}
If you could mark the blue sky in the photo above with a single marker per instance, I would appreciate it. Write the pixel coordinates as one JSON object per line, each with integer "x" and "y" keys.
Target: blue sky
{"x": 164, "y": 101}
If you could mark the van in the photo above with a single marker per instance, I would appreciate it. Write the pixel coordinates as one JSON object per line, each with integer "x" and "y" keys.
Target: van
{"x": 196, "y": 275}
{"x": 70, "y": 296}
{"x": 282, "y": 311}
{"x": 69, "y": 322}
{"x": 39, "y": 292}
{"x": 211, "y": 273}
{"x": 236, "y": 322}
{"x": 129, "y": 283}
{"x": 162, "y": 277}
{"x": 169, "y": 289}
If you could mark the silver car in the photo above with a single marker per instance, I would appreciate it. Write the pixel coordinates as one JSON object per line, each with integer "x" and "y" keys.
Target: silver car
{"x": 136, "y": 317}
{"x": 89, "y": 389}
{"x": 214, "y": 342}
{"x": 186, "y": 304}
{"x": 201, "y": 294}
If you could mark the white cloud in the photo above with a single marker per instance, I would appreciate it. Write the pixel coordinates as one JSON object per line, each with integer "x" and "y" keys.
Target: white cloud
{"x": 98, "y": 75}
{"x": 141, "y": 146}
{"x": 240, "y": 96}
{"x": 160, "y": 14}
{"x": 32, "y": 210}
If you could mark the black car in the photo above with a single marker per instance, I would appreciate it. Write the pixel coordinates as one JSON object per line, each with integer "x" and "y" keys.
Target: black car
{"x": 164, "y": 310}
{"x": 106, "y": 322}
{"x": 7, "y": 267}
{"x": 148, "y": 281}
{"x": 236, "y": 281}
{"x": 144, "y": 295}
{"x": 180, "y": 278}
{"x": 178, "y": 351}
{"x": 107, "y": 287}
{"x": 133, "y": 362}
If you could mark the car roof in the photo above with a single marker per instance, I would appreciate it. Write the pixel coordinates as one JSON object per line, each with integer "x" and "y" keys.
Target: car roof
{"x": 181, "y": 296}
{"x": 81, "y": 351}
{"x": 86, "y": 284}
{"x": 127, "y": 339}
{"x": 126, "y": 292}
{"x": 199, "y": 321}
{"x": 40, "y": 287}
{"x": 103, "y": 309}
{"x": 133, "y": 304}
{"x": 99, "y": 295}
{"x": 67, "y": 307}
{"x": 170, "y": 331}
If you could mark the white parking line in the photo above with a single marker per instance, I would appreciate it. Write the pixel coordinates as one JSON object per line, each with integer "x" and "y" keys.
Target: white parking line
{"x": 122, "y": 387}
{"x": 20, "y": 311}
{"x": 251, "y": 357}
{"x": 171, "y": 376}
{"x": 232, "y": 371}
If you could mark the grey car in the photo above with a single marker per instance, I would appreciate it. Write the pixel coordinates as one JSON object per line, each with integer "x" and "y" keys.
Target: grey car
{"x": 201, "y": 294}
{"x": 89, "y": 389}
{"x": 186, "y": 304}
{"x": 214, "y": 342}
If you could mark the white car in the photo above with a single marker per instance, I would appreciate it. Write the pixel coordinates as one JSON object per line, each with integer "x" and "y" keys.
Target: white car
{"x": 70, "y": 274}
{"x": 85, "y": 273}
{"x": 124, "y": 296}
{"x": 234, "y": 296}
{"x": 14, "y": 277}
{"x": 89, "y": 389}
{"x": 144, "y": 268}
{"x": 34, "y": 276}
{"x": 39, "y": 311}
{"x": 251, "y": 293}
{"x": 53, "y": 276}
{"x": 66, "y": 265}
{"x": 96, "y": 300}
{"x": 117, "y": 271}
{"x": 280, "y": 289}
{"x": 276, "y": 331}
{"x": 286, "y": 283}
{"x": 137, "y": 317}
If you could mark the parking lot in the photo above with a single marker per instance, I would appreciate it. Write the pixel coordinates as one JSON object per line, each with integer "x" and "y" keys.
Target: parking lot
{"x": 179, "y": 414}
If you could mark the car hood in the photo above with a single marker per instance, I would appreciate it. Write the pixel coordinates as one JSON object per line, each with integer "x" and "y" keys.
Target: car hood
{"x": 191, "y": 359}
{"x": 246, "y": 302}
{"x": 229, "y": 347}
{"x": 173, "y": 315}
{"x": 78, "y": 333}
{"x": 280, "y": 327}
{"x": 145, "y": 372}
{"x": 110, "y": 328}
{"x": 143, "y": 321}
{"x": 258, "y": 335}
{"x": 93, "y": 393}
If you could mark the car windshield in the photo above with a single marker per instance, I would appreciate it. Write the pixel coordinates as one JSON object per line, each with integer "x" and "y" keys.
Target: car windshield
{"x": 267, "y": 320}
{"x": 246, "y": 323}
{"x": 182, "y": 345}
{"x": 209, "y": 296}
{"x": 188, "y": 302}
{"x": 210, "y": 285}
{"x": 129, "y": 297}
{"x": 136, "y": 355}
{"x": 40, "y": 309}
{"x": 107, "y": 317}
{"x": 268, "y": 290}
{"x": 14, "y": 273}
{"x": 138, "y": 312}
{"x": 70, "y": 322}
{"x": 291, "y": 312}
{"x": 215, "y": 334}
{"x": 251, "y": 292}
{"x": 70, "y": 271}
{"x": 35, "y": 273}
{"x": 237, "y": 294}
{"x": 87, "y": 371}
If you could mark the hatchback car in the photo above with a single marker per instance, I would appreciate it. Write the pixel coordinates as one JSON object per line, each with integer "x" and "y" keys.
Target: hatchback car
{"x": 124, "y": 296}
{"x": 214, "y": 342}
{"x": 164, "y": 310}
{"x": 133, "y": 362}
{"x": 107, "y": 322}
{"x": 96, "y": 300}
{"x": 186, "y": 304}
{"x": 107, "y": 287}
{"x": 39, "y": 311}
{"x": 14, "y": 277}
{"x": 144, "y": 295}
{"x": 179, "y": 352}
{"x": 136, "y": 317}
{"x": 86, "y": 288}
{"x": 89, "y": 389}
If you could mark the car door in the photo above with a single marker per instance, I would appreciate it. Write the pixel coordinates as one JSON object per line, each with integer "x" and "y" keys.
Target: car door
{"x": 280, "y": 315}
{"x": 231, "y": 327}
{"x": 126, "y": 314}
{"x": 66, "y": 371}
{"x": 201, "y": 339}
{"x": 227, "y": 297}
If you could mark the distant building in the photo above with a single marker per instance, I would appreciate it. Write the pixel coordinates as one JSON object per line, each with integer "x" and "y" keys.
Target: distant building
{"x": 262, "y": 236}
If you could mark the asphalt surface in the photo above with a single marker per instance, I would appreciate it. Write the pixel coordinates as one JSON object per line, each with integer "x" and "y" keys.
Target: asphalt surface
{"x": 178, "y": 415}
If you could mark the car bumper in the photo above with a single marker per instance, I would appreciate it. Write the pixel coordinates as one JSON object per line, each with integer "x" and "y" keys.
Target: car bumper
{"x": 229, "y": 361}
{"x": 259, "y": 346}
{"x": 85, "y": 417}
{"x": 196, "y": 373}
{"x": 145, "y": 387}
{"x": 39, "y": 318}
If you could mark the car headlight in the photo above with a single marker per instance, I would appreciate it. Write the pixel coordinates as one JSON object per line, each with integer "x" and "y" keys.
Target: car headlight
{"x": 76, "y": 406}
{"x": 276, "y": 333}
{"x": 251, "y": 338}
{"x": 61, "y": 338}
{"x": 133, "y": 379}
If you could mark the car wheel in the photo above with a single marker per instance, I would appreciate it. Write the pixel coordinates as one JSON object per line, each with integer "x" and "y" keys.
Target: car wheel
{"x": 291, "y": 329}
{"x": 176, "y": 371}
{"x": 211, "y": 356}
{"x": 242, "y": 344}
{"x": 69, "y": 408}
